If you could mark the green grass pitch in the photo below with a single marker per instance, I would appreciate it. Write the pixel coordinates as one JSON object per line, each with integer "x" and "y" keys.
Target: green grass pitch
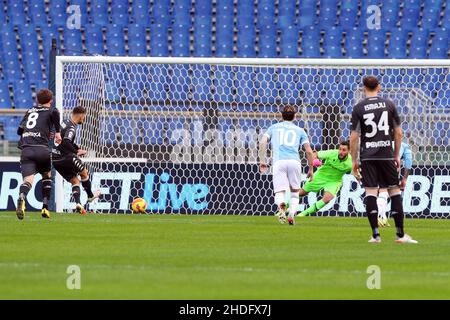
{"x": 218, "y": 257}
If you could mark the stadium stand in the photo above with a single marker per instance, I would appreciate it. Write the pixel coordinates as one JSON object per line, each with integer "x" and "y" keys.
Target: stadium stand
{"x": 221, "y": 28}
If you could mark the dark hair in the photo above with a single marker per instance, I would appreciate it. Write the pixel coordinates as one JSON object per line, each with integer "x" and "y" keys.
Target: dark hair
{"x": 371, "y": 83}
{"x": 288, "y": 113}
{"x": 345, "y": 143}
{"x": 79, "y": 110}
{"x": 44, "y": 96}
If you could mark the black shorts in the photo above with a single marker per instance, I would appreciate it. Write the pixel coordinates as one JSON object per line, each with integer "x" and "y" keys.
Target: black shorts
{"x": 379, "y": 174}
{"x": 68, "y": 166}
{"x": 35, "y": 160}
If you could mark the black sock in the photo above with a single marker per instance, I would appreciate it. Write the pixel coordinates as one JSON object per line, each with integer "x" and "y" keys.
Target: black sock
{"x": 24, "y": 189}
{"x": 87, "y": 187}
{"x": 76, "y": 193}
{"x": 46, "y": 192}
{"x": 397, "y": 214}
{"x": 372, "y": 214}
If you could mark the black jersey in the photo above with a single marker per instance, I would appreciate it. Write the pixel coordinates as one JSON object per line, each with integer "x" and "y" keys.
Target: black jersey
{"x": 68, "y": 135}
{"x": 36, "y": 125}
{"x": 375, "y": 118}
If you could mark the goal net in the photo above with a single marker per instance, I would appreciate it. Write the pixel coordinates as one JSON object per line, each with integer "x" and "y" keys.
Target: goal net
{"x": 183, "y": 133}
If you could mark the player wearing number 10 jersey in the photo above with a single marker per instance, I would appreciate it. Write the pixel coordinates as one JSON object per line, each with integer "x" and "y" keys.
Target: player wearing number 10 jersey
{"x": 377, "y": 122}
{"x": 286, "y": 138}
{"x": 34, "y": 131}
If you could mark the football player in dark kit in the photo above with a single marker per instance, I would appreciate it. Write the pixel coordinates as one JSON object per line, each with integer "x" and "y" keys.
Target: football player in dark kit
{"x": 377, "y": 122}
{"x": 34, "y": 130}
{"x": 66, "y": 159}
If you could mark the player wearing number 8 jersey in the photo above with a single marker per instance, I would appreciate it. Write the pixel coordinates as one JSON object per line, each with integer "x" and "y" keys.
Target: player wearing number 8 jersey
{"x": 34, "y": 131}
{"x": 286, "y": 138}
{"x": 377, "y": 122}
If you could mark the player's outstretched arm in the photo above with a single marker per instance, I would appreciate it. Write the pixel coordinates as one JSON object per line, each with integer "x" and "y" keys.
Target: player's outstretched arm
{"x": 310, "y": 156}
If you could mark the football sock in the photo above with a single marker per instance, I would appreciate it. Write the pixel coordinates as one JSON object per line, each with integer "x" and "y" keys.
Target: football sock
{"x": 76, "y": 193}
{"x": 314, "y": 208}
{"x": 46, "y": 192}
{"x": 24, "y": 189}
{"x": 280, "y": 198}
{"x": 382, "y": 203}
{"x": 372, "y": 214}
{"x": 293, "y": 204}
{"x": 87, "y": 187}
{"x": 397, "y": 214}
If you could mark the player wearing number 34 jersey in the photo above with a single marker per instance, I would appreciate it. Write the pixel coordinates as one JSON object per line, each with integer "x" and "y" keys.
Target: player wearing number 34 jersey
{"x": 286, "y": 138}
{"x": 375, "y": 120}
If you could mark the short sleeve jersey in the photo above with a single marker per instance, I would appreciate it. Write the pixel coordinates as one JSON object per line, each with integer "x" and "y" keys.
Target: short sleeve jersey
{"x": 286, "y": 138}
{"x": 375, "y": 118}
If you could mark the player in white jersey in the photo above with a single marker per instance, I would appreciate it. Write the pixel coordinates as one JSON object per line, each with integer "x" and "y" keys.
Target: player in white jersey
{"x": 406, "y": 158}
{"x": 286, "y": 138}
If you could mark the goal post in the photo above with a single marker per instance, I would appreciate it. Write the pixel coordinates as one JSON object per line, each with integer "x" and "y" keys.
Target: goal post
{"x": 183, "y": 133}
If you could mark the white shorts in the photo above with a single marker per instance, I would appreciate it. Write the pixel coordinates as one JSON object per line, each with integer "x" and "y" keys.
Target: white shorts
{"x": 286, "y": 175}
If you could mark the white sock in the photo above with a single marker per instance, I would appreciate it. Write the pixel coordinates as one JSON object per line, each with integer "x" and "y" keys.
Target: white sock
{"x": 382, "y": 204}
{"x": 293, "y": 204}
{"x": 280, "y": 198}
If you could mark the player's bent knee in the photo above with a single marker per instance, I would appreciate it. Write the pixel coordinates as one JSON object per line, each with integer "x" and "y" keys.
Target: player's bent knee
{"x": 28, "y": 179}
{"x": 84, "y": 174}
{"x": 302, "y": 193}
{"x": 47, "y": 175}
{"x": 74, "y": 181}
{"x": 328, "y": 197}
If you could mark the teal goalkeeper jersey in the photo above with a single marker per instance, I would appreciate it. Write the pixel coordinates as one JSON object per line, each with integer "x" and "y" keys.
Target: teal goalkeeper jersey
{"x": 332, "y": 168}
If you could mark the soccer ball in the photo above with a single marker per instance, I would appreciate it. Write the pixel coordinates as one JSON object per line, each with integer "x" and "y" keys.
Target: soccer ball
{"x": 139, "y": 205}
{"x": 382, "y": 221}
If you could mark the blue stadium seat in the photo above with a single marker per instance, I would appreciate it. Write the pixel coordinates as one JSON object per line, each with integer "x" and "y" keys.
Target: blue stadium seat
{"x": 140, "y": 12}
{"x": 5, "y": 98}
{"x": 307, "y": 17}
{"x": 266, "y": 89}
{"x": 72, "y": 41}
{"x": 48, "y": 33}
{"x": 36, "y": 12}
{"x": 16, "y": 13}
{"x": 410, "y": 17}
{"x": 159, "y": 41}
{"x": 430, "y": 17}
{"x": 58, "y": 14}
{"x": 397, "y": 44}
{"x": 201, "y": 83}
{"x": 94, "y": 39}
{"x": 115, "y": 41}
{"x": 375, "y": 44}
{"x": 224, "y": 8}
{"x": 288, "y": 85}
{"x": 419, "y": 44}
{"x": 266, "y": 12}
{"x": 328, "y": 15}
{"x": 180, "y": 83}
{"x": 245, "y": 85}
{"x": 22, "y": 95}
{"x": 11, "y": 128}
{"x": 137, "y": 44}
{"x": 348, "y": 16}
{"x": 389, "y": 14}
{"x": 99, "y": 13}
{"x": 223, "y": 83}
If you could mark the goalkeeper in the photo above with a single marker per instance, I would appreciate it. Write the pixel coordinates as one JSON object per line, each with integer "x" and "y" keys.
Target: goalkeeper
{"x": 328, "y": 177}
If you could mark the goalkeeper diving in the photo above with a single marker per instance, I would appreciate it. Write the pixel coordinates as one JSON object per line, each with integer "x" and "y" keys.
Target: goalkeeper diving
{"x": 333, "y": 164}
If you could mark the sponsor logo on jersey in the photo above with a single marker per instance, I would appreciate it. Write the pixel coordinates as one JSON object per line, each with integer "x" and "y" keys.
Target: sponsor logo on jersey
{"x": 31, "y": 134}
{"x": 378, "y": 144}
